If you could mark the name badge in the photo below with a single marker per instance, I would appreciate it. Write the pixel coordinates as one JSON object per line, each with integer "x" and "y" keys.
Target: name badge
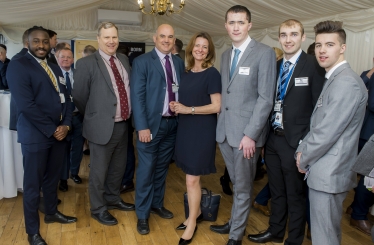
{"x": 302, "y": 81}
{"x": 277, "y": 105}
{"x": 62, "y": 80}
{"x": 278, "y": 119}
{"x": 62, "y": 98}
{"x": 319, "y": 102}
{"x": 244, "y": 70}
{"x": 175, "y": 88}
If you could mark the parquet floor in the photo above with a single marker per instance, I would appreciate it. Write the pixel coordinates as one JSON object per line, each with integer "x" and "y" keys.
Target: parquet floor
{"x": 89, "y": 232}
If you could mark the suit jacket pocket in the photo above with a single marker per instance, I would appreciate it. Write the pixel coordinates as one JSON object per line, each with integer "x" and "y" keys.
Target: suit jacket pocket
{"x": 305, "y": 120}
{"x": 245, "y": 113}
{"x": 333, "y": 151}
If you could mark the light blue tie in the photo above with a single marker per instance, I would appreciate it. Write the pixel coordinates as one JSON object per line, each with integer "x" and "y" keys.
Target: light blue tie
{"x": 234, "y": 62}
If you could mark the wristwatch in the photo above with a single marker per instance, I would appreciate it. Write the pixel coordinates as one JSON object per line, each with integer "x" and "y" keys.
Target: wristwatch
{"x": 68, "y": 128}
{"x": 193, "y": 110}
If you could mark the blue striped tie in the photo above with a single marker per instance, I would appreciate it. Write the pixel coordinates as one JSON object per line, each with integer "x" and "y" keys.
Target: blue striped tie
{"x": 283, "y": 86}
{"x": 234, "y": 62}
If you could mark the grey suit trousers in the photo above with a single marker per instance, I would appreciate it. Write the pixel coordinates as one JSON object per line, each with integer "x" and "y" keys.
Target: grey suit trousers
{"x": 242, "y": 173}
{"x": 108, "y": 163}
{"x": 325, "y": 216}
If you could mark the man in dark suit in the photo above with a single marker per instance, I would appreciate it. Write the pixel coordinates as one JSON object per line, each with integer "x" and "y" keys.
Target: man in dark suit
{"x": 101, "y": 93}
{"x": 13, "y": 106}
{"x": 178, "y": 46}
{"x": 44, "y": 119}
{"x": 364, "y": 198}
{"x": 151, "y": 91}
{"x": 74, "y": 152}
{"x": 300, "y": 81}
{"x": 60, "y": 46}
{"x": 53, "y": 42}
{"x": 4, "y": 61}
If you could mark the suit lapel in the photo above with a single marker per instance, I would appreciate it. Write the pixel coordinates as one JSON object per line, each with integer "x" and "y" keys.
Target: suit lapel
{"x": 157, "y": 64}
{"x": 125, "y": 65}
{"x": 296, "y": 72}
{"x": 41, "y": 69}
{"x": 245, "y": 55}
{"x": 104, "y": 70}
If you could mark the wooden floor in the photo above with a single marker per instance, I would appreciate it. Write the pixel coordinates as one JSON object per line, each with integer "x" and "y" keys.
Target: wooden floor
{"x": 88, "y": 231}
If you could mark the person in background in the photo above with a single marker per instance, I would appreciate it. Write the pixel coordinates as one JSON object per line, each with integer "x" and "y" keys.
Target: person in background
{"x": 57, "y": 49}
{"x": 311, "y": 49}
{"x": 4, "y": 61}
{"x": 197, "y": 108}
{"x": 53, "y": 42}
{"x": 178, "y": 46}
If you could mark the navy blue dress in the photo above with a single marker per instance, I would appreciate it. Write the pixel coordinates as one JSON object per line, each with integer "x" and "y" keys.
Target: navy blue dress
{"x": 195, "y": 147}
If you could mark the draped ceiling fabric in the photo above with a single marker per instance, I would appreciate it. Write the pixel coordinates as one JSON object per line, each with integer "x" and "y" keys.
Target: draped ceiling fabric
{"x": 73, "y": 19}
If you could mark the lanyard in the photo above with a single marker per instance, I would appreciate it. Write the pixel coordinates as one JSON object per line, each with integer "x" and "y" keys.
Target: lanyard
{"x": 283, "y": 89}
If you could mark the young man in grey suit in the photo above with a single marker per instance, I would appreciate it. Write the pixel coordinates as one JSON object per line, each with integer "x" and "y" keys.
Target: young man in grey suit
{"x": 248, "y": 82}
{"x": 329, "y": 150}
{"x": 102, "y": 94}
{"x": 299, "y": 83}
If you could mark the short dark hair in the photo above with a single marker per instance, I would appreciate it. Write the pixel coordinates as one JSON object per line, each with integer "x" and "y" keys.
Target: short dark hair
{"x": 51, "y": 33}
{"x": 25, "y": 36}
{"x": 239, "y": 9}
{"x": 36, "y": 28}
{"x": 2, "y": 46}
{"x": 311, "y": 49}
{"x": 330, "y": 26}
{"x": 61, "y": 46}
{"x": 89, "y": 49}
{"x": 211, "y": 56}
{"x": 178, "y": 45}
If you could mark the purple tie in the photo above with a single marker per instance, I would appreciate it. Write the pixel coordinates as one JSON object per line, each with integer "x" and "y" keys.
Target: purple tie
{"x": 169, "y": 80}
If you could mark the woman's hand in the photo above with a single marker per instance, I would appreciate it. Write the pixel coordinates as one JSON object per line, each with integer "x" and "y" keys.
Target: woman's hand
{"x": 181, "y": 109}
{"x": 172, "y": 106}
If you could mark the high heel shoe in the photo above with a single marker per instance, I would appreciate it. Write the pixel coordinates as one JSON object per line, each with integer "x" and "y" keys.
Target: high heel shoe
{"x": 198, "y": 220}
{"x": 184, "y": 242}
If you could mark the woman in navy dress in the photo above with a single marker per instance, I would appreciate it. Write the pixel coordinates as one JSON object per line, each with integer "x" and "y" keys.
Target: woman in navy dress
{"x": 197, "y": 108}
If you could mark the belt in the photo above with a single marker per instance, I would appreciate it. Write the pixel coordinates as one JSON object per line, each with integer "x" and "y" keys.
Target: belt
{"x": 75, "y": 113}
{"x": 279, "y": 132}
{"x": 169, "y": 117}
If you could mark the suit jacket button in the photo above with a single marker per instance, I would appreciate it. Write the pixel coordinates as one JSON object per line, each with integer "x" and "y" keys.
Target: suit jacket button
{"x": 113, "y": 117}
{"x": 227, "y": 109}
{"x": 115, "y": 104}
{"x": 228, "y": 92}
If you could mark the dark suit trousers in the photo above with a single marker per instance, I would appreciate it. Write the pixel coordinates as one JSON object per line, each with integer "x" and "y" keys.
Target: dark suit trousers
{"x": 107, "y": 168}
{"x": 287, "y": 190}
{"x": 42, "y": 165}
{"x": 153, "y": 163}
{"x": 128, "y": 176}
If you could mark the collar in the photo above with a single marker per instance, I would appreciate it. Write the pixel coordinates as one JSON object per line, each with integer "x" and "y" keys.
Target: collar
{"x": 293, "y": 58}
{"x": 105, "y": 56}
{"x": 162, "y": 55}
{"x": 243, "y": 46}
{"x": 37, "y": 59}
{"x": 328, "y": 74}
{"x": 63, "y": 71}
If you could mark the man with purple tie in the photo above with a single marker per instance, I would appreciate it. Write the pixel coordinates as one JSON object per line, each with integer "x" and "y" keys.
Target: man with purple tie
{"x": 154, "y": 83}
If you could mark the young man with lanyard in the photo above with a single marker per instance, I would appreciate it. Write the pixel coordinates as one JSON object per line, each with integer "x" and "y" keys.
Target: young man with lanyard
{"x": 300, "y": 81}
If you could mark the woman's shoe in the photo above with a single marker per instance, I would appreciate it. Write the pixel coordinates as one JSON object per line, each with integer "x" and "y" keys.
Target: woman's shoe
{"x": 184, "y": 242}
{"x": 198, "y": 220}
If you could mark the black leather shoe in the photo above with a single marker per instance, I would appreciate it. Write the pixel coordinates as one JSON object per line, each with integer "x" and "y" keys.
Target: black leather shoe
{"x": 198, "y": 220}
{"x": 162, "y": 212}
{"x": 221, "y": 229}
{"x": 127, "y": 188}
{"x": 142, "y": 226}
{"x": 105, "y": 218}
{"x": 225, "y": 186}
{"x": 123, "y": 206}
{"x": 264, "y": 238}
{"x": 184, "y": 242}
{"x": 36, "y": 239}
{"x": 76, "y": 178}
{"x": 63, "y": 186}
{"x": 234, "y": 242}
{"x": 59, "y": 218}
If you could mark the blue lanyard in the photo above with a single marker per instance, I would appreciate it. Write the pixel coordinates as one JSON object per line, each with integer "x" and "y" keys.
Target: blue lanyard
{"x": 283, "y": 91}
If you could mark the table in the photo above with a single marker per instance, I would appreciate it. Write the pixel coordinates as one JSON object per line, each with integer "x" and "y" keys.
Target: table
{"x": 11, "y": 167}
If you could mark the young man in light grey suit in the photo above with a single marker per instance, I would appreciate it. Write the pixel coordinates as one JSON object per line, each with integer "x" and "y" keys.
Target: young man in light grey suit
{"x": 328, "y": 151}
{"x": 102, "y": 94}
{"x": 248, "y": 72}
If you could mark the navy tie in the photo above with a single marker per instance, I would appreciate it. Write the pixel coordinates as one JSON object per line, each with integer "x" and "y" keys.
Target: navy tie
{"x": 234, "y": 62}
{"x": 68, "y": 87}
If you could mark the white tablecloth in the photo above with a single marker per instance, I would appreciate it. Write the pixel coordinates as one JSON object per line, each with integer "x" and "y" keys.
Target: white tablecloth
{"x": 11, "y": 168}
